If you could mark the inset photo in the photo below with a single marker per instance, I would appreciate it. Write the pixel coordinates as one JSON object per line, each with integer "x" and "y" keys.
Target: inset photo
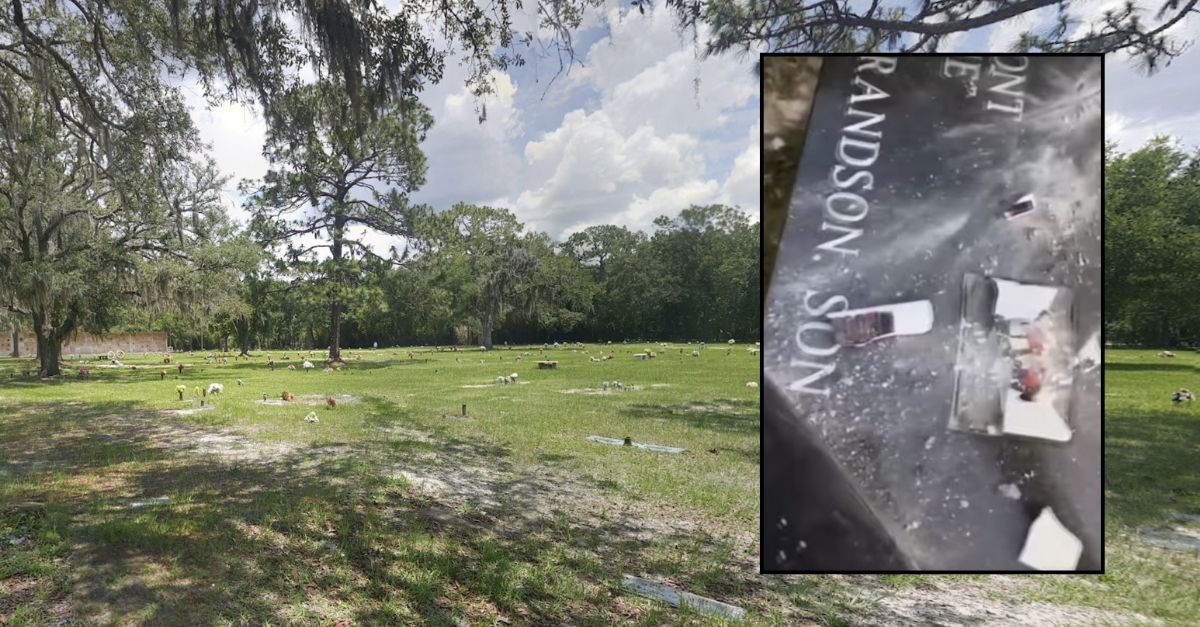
{"x": 933, "y": 317}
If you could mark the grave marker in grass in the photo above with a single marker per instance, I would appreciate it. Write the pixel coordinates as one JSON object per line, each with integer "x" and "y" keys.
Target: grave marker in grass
{"x": 677, "y": 598}
{"x": 629, "y": 442}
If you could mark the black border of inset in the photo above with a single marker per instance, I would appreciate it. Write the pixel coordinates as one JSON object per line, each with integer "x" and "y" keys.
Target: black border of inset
{"x": 762, "y": 59}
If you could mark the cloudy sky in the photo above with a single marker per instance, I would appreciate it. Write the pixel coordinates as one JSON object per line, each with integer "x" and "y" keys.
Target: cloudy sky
{"x": 621, "y": 139}
{"x": 624, "y": 138}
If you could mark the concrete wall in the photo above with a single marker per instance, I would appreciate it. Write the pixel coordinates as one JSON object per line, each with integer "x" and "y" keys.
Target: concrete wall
{"x": 88, "y": 344}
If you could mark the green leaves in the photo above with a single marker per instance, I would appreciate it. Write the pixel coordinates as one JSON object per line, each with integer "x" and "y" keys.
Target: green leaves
{"x": 1152, "y": 230}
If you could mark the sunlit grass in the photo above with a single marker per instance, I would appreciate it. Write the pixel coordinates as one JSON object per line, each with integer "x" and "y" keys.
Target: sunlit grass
{"x": 350, "y": 542}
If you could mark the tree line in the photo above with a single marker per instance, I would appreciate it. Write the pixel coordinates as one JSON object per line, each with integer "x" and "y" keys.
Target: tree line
{"x": 110, "y": 211}
{"x": 1151, "y": 239}
{"x": 479, "y": 278}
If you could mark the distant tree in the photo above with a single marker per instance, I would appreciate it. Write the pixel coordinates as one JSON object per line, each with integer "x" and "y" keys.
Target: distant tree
{"x": 560, "y": 295}
{"x": 608, "y": 253}
{"x": 481, "y": 256}
{"x": 706, "y": 267}
{"x": 86, "y": 231}
{"x": 329, "y": 177}
{"x": 1152, "y": 233}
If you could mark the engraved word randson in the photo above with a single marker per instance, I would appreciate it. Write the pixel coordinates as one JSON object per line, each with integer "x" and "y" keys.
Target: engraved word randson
{"x": 843, "y": 211}
{"x": 857, "y": 151}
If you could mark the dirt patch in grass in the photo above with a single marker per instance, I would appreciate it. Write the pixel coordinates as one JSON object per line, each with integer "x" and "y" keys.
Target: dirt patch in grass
{"x": 601, "y": 391}
{"x": 225, "y": 445}
{"x": 310, "y": 399}
{"x": 470, "y": 475}
{"x": 409, "y": 434}
{"x": 185, "y": 412}
{"x": 716, "y": 408}
{"x": 319, "y": 399}
{"x": 474, "y": 533}
{"x": 995, "y": 600}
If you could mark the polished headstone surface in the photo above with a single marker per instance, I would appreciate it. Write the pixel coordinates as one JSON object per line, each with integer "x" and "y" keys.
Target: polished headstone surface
{"x": 917, "y": 203}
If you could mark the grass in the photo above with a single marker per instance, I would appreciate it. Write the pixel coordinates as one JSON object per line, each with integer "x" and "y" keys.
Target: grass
{"x": 316, "y": 537}
{"x": 323, "y": 538}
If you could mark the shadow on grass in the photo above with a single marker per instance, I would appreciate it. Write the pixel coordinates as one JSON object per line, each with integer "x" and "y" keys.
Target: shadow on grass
{"x": 1150, "y": 465}
{"x": 740, "y": 416}
{"x": 312, "y": 536}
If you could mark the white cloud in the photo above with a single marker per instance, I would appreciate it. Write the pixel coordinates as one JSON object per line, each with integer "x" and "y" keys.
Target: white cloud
{"x": 469, "y": 161}
{"x": 636, "y": 142}
{"x": 1133, "y": 133}
{"x": 638, "y": 153}
{"x": 741, "y": 187}
{"x": 668, "y": 201}
{"x": 236, "y": 134}
{"x": 591, "y": 173}
{"x": 1005, "y": 34}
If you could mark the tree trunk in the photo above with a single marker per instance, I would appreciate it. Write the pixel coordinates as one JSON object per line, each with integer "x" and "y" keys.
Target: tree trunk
{"x": 241, "y": 325}
{"x": 335, "y": 317}
{"x": 335, "y": 330}
{"x": 49, "y": 351}
{"x": 486, "y": 331}
{"x": 16, "y": 337}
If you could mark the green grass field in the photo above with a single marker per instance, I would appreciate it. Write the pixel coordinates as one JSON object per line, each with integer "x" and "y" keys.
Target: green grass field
{"x": 393, "y": 508}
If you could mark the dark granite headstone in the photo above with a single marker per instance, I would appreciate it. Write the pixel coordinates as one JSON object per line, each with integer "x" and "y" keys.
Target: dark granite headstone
{"x": 916, "y": 171}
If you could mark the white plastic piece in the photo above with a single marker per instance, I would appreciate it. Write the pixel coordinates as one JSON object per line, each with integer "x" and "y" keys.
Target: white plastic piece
{"x": 1089, "y": 353}
{"x": 1049, "y": 545}
{"x": 1022, "y": 302}
{"x": 912, "y": 318}
{"x": 1035, "y": 419}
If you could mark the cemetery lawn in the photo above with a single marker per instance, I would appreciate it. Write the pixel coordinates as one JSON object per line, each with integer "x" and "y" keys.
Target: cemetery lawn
{"x": 393, "y": 508}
